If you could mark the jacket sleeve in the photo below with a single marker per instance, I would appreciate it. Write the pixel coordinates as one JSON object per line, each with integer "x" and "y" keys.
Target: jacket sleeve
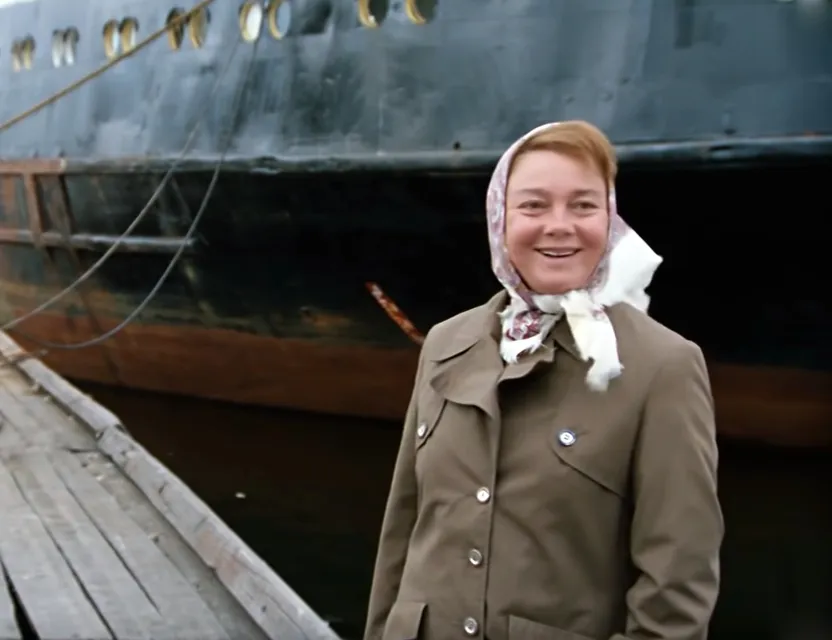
{"x": 677, "y": 527}
{"x": 397, "y": 525}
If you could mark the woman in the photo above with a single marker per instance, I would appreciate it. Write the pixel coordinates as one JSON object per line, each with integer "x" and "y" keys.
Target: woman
{"x": 556, "y": 478}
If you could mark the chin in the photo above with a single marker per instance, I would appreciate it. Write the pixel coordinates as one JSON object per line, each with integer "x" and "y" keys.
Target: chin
{"x": 555, "y": 289}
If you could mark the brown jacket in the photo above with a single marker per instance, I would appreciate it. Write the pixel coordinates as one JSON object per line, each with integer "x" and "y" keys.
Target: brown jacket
{"x": 525, "y": 506}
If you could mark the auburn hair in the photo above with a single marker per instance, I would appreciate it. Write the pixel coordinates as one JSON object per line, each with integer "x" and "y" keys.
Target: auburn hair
{"x": 579, "y": 140}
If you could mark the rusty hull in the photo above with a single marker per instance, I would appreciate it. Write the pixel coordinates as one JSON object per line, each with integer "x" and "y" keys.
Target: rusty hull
{"x": 779, "y": 406}
{"x": 271, "y": 305}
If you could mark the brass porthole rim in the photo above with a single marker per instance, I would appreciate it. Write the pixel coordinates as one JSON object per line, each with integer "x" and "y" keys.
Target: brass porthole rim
{"x": 411, "y": 9}
{"x": 174, "y": 26}
{"x": 365, "y": 16}
{"x": 245, "y": 10}
{"x": 196, "y": 22}
{"x": 58, "y": 49}
{"x": 27, "y": 52}
{"x": 111, "y": 27}
{"x": 271, "y": 19}
{"x": 127, "y": 26}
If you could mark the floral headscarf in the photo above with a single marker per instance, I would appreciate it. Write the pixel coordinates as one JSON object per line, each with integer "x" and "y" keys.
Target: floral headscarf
{"x": 624, "y": 272}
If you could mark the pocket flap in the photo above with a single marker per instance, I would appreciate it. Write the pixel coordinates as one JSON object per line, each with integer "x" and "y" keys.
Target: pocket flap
{"x": 404, "y": 621}
{"x": 585, "y": 456}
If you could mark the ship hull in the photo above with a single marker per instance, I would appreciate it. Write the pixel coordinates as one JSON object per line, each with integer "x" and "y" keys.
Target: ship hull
{"x": 270, "y": 304}
{"x": 781, "y": 406}
{"x": 350, "y": 155}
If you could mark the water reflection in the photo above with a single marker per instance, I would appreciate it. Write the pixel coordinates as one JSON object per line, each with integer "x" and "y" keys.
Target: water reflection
{"x": 307, "y": 493}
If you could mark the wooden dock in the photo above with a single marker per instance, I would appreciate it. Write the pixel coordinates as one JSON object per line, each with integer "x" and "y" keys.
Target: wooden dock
{"x": 99, "y": 541}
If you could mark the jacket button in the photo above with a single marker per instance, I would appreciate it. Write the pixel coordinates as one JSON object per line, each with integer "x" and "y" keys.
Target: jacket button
{"x": 483, "y": 495}
{"x": 471, "y": 626}
{"x": 475, "y": 557}
{"x": 422, "y": 430}
{"x": 567, "y": 437}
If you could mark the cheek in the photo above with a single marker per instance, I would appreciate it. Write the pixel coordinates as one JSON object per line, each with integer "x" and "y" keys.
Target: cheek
{"x": 518, "y": 234}
{"x": 595, "y": 235}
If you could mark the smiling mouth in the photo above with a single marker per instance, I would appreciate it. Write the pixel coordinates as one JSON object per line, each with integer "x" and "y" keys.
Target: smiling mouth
{"x": 557, "y": 253}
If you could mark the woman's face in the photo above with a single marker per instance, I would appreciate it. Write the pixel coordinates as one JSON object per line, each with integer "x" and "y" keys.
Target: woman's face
{"x": 556, "y": 221}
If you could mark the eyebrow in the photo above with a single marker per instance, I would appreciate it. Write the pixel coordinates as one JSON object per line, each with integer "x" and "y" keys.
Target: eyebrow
{"x": 534, "y": 191}
{"x": 531, "y": 191}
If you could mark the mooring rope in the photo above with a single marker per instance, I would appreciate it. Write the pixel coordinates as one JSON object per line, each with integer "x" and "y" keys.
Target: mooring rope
{"x": 235, "y": 112}
{"x": 182, "y": 18}
{"x": 208, "y": 104}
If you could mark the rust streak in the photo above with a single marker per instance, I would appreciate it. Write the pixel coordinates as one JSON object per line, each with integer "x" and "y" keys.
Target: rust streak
{"x": 396, "y": 315}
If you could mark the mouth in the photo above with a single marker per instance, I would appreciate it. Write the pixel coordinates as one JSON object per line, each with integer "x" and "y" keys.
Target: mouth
{"x": 557, "y": 254}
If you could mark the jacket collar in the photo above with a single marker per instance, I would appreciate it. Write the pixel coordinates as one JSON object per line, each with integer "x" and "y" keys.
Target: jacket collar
{"x": 467, "y": 366}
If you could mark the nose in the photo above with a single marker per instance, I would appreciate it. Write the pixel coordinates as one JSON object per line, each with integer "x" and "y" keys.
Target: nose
{"x": 557, "y": 221}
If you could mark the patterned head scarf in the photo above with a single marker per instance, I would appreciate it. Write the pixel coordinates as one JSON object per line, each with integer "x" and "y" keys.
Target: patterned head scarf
{"x": 622, "y": 275}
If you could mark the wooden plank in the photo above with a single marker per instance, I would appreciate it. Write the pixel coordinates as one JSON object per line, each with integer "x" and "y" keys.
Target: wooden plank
{"x": 68, "y": 396}
{"x": 120, "y": 600}
{"x": 36, "y": 417}
{"x": 8, "y": 622}
{"x": 279, "y": 611}
{"x": 228, "y": 611}
{"x": 52, "y": 598}
{"x": 10, "y": 440}
{"x": 270, "y": 601}
{"x": 175, "y": 599}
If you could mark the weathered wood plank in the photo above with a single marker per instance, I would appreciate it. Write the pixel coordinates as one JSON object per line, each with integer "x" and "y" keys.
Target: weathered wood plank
{"x": 269, "y": 600}
{"x": 10, "y": 440}
{"x": 52, "y": 598}
{"x": 36, "y": 417}
{"x": 113, "y": 590}
{"x": 177, "y": 602}
{"x": 8, "y": 622}
{"x": 228, "y": 611}
{"x": 72, "y": 399}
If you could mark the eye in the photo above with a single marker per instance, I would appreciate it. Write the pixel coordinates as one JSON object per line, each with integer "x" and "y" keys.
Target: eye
{"x": 585, "y": 206}
{"x": 532, "y": 205}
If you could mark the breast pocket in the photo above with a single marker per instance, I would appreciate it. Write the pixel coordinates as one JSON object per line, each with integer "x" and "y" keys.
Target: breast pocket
{"x": 594, "y": 459}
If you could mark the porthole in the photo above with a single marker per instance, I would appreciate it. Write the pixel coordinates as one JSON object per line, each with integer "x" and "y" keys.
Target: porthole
{"x": 27, "y": 52}
{"x": 420, "y": 11}
{"x": 251, "y": 20}
{"x": 112, "y": 40}
{"x": 279, "y": 18}
{"x": 71, "y": 38}
{"x": 372, "y": 13}
{"x": 58, "y": 47}
{"x": 128, "y": 33}
{"x": 198, "y": 27}
{"x": 176, "y": 28}
{"x": 17, "y": 56}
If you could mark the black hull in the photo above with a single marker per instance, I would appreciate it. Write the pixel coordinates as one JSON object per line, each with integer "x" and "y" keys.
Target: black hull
{"x": 682, "y": 76}
{"x": 361, "y": 155}
{"x": 270, "y": 305}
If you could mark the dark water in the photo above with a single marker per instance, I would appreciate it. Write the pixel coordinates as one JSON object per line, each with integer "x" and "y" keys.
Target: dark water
{"x": 307, "y": 493}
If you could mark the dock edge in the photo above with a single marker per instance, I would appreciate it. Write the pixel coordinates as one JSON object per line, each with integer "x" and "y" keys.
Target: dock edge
{"x": 271, "y": 603}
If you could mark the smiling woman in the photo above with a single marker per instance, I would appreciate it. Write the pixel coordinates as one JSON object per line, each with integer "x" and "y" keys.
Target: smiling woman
{"x": 523, "y": 402}
{"x": 557, "y": 218}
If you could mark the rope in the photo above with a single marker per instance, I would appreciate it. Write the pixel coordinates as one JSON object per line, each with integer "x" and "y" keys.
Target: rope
{"x": 174, "y": 260}
{"x": 8, "y": 124}
{"x": 141, "y": 215}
